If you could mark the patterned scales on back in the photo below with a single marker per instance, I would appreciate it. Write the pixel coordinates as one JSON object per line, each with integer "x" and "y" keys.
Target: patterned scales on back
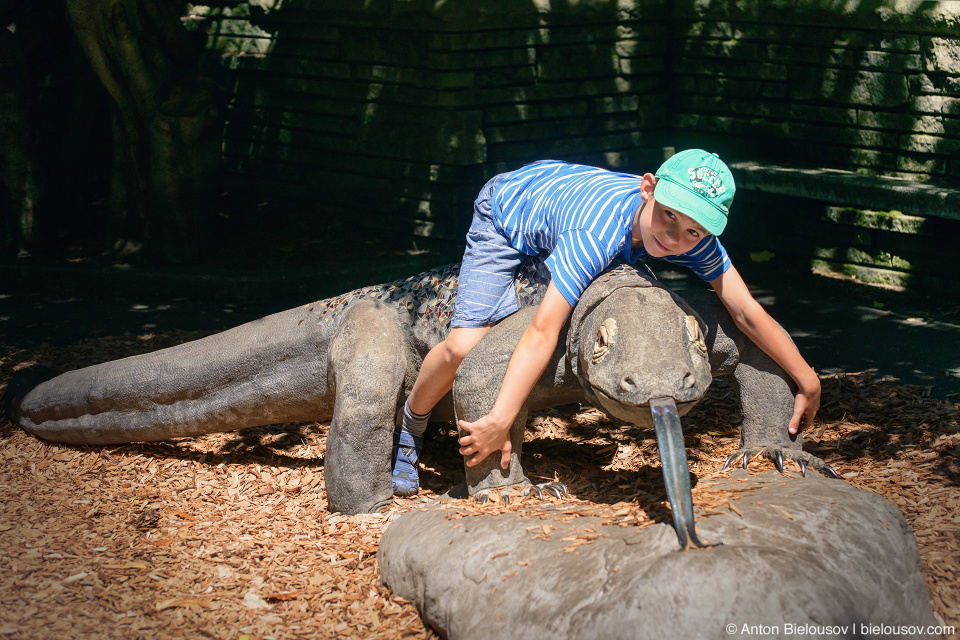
{"x": 426, "y": 301}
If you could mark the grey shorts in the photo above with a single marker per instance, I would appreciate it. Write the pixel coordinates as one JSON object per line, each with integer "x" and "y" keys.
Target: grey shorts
{"x": 486, "y": 293}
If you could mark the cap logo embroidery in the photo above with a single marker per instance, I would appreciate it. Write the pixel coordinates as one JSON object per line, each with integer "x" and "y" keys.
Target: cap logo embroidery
{"x": 706, "y": 181}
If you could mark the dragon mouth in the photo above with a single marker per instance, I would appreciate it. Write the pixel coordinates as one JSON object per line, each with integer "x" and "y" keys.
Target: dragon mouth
{"x": 636, "y": 412}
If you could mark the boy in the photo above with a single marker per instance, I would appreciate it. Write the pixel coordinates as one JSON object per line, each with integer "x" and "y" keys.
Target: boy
{"x": 583, "y": 217}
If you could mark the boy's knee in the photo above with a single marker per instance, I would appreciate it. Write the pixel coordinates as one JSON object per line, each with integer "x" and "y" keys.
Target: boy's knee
{"x": 459, "y": 343}
{"x": 455, "y": 352}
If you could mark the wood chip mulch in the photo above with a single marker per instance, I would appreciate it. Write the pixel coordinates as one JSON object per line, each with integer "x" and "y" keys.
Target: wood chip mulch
{"x": 227, "y": 536}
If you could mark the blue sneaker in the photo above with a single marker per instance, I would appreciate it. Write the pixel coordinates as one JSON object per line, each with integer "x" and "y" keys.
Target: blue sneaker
{"x": 406, "y": 453}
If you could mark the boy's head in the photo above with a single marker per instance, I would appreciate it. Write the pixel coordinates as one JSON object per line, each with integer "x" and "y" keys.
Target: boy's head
{"x": 698, "y": 184}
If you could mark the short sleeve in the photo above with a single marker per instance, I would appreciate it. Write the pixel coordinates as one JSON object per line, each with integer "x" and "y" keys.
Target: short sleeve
{"x": 709, "y": 260}
{"x": 578, "y": 258}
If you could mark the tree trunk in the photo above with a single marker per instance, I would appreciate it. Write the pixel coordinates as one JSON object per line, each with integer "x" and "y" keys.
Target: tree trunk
{"x": 167, "y": 125}
{"x": 18, "y": 153}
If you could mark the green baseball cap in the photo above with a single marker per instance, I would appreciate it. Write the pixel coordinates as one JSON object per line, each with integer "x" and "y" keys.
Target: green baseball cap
{"x": 697, "y": 183}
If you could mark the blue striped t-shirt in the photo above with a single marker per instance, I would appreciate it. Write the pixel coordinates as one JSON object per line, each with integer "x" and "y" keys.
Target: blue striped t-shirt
{"x": 583, "y": 217}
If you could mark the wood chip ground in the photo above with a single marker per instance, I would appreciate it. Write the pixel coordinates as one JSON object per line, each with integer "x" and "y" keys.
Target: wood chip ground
{"x": 228, "y": 536}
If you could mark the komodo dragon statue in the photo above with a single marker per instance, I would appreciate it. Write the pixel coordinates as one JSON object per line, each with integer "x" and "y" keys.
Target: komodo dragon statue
{"x": 631, "y": 344}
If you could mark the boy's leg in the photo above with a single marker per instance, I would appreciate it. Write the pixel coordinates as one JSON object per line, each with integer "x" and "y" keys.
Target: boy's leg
{"x": 434, "y": 380}
{"x": 440, "y": 367}
{"x": 485, "y": 294}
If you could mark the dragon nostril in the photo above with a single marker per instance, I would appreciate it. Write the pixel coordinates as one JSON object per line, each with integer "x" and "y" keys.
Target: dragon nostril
{"x": 628, "y": 383}
{"x": 687, "y": 381}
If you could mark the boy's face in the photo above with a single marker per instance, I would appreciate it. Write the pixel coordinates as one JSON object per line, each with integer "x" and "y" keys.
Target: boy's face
{"x": 663, "y": 231}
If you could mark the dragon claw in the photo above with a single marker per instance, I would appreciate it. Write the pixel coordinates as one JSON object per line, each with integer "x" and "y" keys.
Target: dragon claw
{"x": 533, "y": 489}
{"x": 778, "y": 455}
{"x": 556, "y": 488}
{"x": 730, "y": 458}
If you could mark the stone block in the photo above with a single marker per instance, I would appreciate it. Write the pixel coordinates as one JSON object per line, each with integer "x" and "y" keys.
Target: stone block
{"x": 507, "y": 76}
{"x": 701, "y": 122}
{"x": 846, "y": 135}
{"x": 581, "y": 61}
{"x": 822, "y": 114}
{"x": 775, "y": 90}
{"x": 731, "y": 49}
{"x": 899, "y": 121}
{"x": 654, "y": 113}
{"x": 935, "y": 84}
{"x": 608, "y": 86}
{"x": 729, "y": 87}
{"x": 926, "y": 144}
{"x": 453, "y": 137}
{"x": 850, "y": 58}
{"x": 704, "y": 104}
{"x": 684, "y": 84}
{"x": 713, "y": 30}
{"x": 894, "y": 221}
{"x": 901, "y": 43}
{"x": 641, "y": 66}
{"x": 702, "y": 10}
{"x": 941, "y": 55}
{"x": 506, "y": 114}
{"x": 935, "y": 105}
{"x": 565, "y": 109}
{"x": 616, "y": 104}
{"x": 951, "y": 126}
{"x": 849, "y": 87}
{"x": 482, "y": 40}
{"x": 483, "y": 58}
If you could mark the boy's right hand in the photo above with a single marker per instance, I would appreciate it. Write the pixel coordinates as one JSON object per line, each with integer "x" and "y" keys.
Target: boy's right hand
{"x": 483, "y": 437}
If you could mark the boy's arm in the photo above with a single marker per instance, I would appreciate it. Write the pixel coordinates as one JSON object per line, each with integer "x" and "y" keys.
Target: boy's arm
{"x": 492, "y": 432}
{"x": 754, "y": 321}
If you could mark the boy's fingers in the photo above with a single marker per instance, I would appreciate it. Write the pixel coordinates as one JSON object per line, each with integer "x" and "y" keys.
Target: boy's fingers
{"x": 795, "y": 420}
{"x": 505, "y": 456}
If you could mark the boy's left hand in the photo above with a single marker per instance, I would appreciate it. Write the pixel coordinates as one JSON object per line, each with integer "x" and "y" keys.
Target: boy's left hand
{"x": 486, "y": 435}
{"x": 805, "y": 405}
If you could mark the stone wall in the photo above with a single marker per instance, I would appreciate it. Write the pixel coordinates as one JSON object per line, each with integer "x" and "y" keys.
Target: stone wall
{"x": 394, "y": 113}
{"x": 390, "y": 114}
{"x": 867, "y": 88}
{"x": 867, "y": 85}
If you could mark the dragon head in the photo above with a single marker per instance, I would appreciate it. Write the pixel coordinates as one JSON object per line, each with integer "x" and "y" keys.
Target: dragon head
{"x": 636, "y": 342}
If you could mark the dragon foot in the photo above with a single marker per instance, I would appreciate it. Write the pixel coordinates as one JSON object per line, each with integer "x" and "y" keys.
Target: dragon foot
{"x": 777, "y": 455}
{"x": 503, "y": 494}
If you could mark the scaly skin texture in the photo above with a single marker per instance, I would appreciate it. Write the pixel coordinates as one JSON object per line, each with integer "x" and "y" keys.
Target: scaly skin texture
{"x": 352, "y": 358}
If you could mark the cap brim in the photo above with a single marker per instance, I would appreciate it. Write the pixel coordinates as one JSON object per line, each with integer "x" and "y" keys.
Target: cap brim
{"x": 690, "y": 204}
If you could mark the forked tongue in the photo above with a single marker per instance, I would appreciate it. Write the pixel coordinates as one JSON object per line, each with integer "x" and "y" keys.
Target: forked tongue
{"x": 676, "y": 473}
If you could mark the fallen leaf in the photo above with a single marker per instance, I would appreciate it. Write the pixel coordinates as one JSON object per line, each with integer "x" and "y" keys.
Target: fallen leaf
{"x": 162, "y": 542}
{"x": 279, "y": 597}
{"x": 183, "y": 602}
{"x": 253, "y": 601}
{"x": 762, "y": 256}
